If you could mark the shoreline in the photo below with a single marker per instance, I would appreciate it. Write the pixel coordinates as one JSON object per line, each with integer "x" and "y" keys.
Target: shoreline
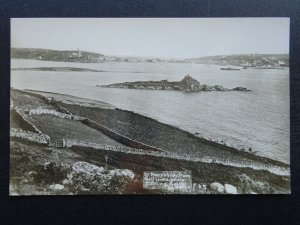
{"x": 194, "y": 136}
{"x": 180, "y": 150}
{"x": 64, "y": 95}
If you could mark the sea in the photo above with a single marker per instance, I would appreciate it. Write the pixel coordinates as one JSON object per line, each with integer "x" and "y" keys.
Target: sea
{"x": 259, "y": 119}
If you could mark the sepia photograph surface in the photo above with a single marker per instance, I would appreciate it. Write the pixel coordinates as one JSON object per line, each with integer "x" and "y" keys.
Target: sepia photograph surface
{"x": 149, "y": 106}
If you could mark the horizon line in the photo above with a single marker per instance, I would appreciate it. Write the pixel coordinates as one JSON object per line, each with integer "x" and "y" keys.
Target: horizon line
{"x": 161, "y": 57}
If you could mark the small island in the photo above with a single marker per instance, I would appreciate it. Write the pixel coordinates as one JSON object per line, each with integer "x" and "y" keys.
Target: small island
{"x": 187, "y": 84}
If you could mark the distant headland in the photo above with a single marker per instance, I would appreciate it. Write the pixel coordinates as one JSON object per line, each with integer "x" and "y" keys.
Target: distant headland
{"x": 242, "y": 61}
{"x": 187, "y": 84}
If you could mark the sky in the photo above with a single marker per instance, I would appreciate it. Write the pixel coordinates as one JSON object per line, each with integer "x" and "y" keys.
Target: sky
{"x": 154, "y": 37}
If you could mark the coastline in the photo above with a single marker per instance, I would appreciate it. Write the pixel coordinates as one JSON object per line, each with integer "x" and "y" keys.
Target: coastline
{"x": 168, "y": 138}
{"x": 125, "y": 113}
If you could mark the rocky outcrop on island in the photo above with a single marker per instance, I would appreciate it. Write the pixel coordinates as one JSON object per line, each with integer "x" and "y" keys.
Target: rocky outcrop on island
{"x": 187, "y": 84}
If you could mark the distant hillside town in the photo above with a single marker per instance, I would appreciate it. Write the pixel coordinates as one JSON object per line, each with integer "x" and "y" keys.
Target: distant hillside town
{"x": 262, "y": 61}
{"x": 54, "y": 55}
{"x": 248, "y": 60}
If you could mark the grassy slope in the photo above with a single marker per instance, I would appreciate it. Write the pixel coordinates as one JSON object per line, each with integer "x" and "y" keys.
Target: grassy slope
{"x": 27, "y": 157}
{"x": 164, "y": 136}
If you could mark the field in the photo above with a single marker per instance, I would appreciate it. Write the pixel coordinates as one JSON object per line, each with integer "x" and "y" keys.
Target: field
{"x": 38, "y": 169}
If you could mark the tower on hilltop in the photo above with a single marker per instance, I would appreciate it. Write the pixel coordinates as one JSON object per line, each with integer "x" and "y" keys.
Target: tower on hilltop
{"x": 78, "y": 53}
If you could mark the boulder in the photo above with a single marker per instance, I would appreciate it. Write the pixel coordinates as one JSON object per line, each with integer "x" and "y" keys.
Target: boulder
{"x": 240, "y": 89}
{"x": 230, "y": 189}
{"x": 218, "y": 88}
{"x": 57, "y": 187}
{"x": 87, "y": 168}
{"x": 217, "y": 187}
{"x": 188, "y": 83}
{"x": 88, "y": 177}
{"x": 122, "y": 173}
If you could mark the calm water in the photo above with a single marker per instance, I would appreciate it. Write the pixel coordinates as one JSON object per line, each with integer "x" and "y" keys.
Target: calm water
{"x": 257, "y": 119}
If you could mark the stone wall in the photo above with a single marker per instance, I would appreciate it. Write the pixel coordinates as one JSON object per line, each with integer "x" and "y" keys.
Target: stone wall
{"x": 26, "y": 120}
{"x": 30, "y": 136}
{"x": 120, "y": 138}
{"x": 55, "y": 113}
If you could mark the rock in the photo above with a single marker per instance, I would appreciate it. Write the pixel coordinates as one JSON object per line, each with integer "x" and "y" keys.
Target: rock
{"x": 230, "y": 189}
{"x": 57, "y": 186}
{"x": 88, "y": 177}
{"x": 87, "y": 168}
{"x": 32, "y": 173}
{"x": 240, "y": 89}
{"x": 217, "y": 187}
{"x": 199, "y": 188}
{"x": 190, "y": 84}
{"x": 205, "y": 87}
{"x": 218, "y": 88}
{"x": 187, "y": 84}
{"x": 125, "y": 173}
